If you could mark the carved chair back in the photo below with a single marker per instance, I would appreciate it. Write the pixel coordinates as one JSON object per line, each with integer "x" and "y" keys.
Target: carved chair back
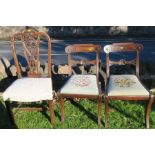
{"x": 31, "y": 41}
{"x": 83, "y": 48}
{"x": 122, "y": 47}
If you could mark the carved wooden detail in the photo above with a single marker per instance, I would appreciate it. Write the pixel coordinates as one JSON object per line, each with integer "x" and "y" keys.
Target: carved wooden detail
{"x": 83, "y": 62}
{"x": 123, "y": 62}
{"x": 30, "y": 41}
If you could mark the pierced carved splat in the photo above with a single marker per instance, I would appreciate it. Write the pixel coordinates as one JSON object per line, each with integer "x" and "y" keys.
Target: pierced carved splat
{"x": 30, "y": 42}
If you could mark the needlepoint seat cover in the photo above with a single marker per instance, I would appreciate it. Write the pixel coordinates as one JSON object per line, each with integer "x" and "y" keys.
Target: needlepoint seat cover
{"x": 29, "y": 90}
{"x": 126, "y": 85}
{"x": 81, "y": 84}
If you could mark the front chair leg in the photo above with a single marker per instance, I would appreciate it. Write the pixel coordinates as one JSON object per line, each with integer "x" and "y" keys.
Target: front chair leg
{"x": 51, "y": 109}
{"x": 106, "y": 111}
{"x": 62, "y": 109}
{"x": 10, "y": 113}
{"x": 148, "y": 109}
{"x": 99, "y": 110}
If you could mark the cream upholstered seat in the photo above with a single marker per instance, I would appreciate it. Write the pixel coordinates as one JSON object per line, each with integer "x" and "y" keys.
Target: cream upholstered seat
{"x": 126, "y": 85}
{"x": 81, "y": 84}
{"x": 29, "y": 90}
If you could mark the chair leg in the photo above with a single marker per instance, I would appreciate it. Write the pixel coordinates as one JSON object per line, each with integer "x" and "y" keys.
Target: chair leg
{"x": 99, "y": 110}
{"x": 62, "y": 109}
{"x": 10, "y": 113}
{"x": 51, "y": 109}
{"x": 148, "y": 109}
{"x": 106, "y": 112}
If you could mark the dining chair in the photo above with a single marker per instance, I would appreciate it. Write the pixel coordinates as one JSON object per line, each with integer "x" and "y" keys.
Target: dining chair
{"x": 82, "y": 85}
{"x": 33, "y": 86}
{"x": 125, "y": 86}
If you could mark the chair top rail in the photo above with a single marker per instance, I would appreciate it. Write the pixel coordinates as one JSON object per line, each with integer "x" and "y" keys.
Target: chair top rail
{"x": 82, "y": 48}
{"x": 123, "y": 47}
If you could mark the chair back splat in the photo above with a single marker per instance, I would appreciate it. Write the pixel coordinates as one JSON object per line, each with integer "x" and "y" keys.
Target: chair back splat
{"x": 83, "y": 48}
{"x": 31, "y": 41}
{"x": 122, "y": 47}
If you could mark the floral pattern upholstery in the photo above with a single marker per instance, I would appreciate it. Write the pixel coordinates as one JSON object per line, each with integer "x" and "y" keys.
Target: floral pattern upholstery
{"x": 81, "y": 81}
{"x": 125, "y": 85}
{"x": 124, "y": 81}
{"x": 81, "y": 84}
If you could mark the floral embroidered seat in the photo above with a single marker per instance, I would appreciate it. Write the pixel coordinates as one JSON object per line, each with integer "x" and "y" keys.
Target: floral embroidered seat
{"x": 126, "y": 85}
{"x": 81, "y": 84}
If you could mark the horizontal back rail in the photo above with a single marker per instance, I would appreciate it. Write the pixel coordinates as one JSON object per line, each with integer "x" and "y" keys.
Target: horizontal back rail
{"x": 122, "y": 62}
{"x": 83, "y": 62}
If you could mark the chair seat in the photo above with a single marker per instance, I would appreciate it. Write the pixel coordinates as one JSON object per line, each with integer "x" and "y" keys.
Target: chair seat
{"x": 81, "y": 84}
{"x": 29, "y": 90}
{"x": 126, "y": 85}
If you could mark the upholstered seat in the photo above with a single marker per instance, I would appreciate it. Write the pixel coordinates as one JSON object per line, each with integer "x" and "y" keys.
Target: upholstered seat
{"x": 81, "y": 84}
{"x": 126, "y": 85}
{"x": 29, "y": 90}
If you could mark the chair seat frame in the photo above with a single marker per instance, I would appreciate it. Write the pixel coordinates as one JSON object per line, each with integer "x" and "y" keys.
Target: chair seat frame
{"x": 77, "y": 48}
{"x": 125, "y": 47}
{"x": 30, "y": 40}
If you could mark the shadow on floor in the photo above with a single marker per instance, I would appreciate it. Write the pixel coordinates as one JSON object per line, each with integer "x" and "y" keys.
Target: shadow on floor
{"x": 43, "y": 106}
{"x": 89, "y": 114}
{"x": 129, "y": 114}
